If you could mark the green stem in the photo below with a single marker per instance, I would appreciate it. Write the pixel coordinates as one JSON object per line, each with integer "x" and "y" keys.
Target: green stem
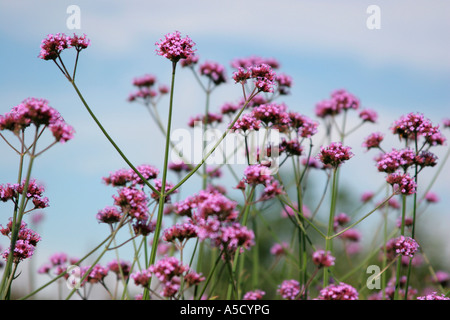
{"x": 399, "y": 262}
{"x": 17, "y": 220}
{"x": 213, "y": 148}
{"x": 163, "y": 194}
{"x": 110, "y": 139}
{"x": 328, "y": 241}
{"x": 64, "y": 273}
{"x": 235, "y": 281}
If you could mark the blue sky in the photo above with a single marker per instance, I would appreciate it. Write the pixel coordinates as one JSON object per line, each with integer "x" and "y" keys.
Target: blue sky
{"x": 324, "y": 45}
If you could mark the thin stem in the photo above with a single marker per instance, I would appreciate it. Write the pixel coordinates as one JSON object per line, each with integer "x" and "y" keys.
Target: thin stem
{"x": 111, "y": 140}
{"x": 328, "y": 241}
{"x": 212, "y": 149}
{"x": 163, "y": 194}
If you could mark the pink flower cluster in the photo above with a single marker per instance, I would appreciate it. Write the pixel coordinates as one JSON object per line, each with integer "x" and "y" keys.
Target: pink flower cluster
{"x": 341, "y": 291}
{"x": 180, "y": 232}
{"x": 54, "y": 44}
{"x": 405, "y": 246}
{"x": 213, "y": 71}
{"x": 289, "y": 289}
{"x": 415, "y": 125}
{"x": 254, "y": 295}
{"x": 322, "y": 258}
{"x": 390, "y": 162}
{"x": 340, "y": 100}
{"x": 169, "y": 271}
{"x": 272, "y": 114}
{"x": 211, "y": 215}
{"x": 262, "y": 74}
{"x": 39, "y": 113}
{"x": 210, "y": 119}
{"x": 122, "y": 177}
{"x": 174, "y": 47}
{"x": 402, "y": 183}
{"x": 305, "y": 126}
{"x": 132, "y": 202}
{"x": 335, "y": 154}
{"x": 373, "y": 141}
{"x": 247, "y": 123}
{"x": 27, "y": 240}
{"x": 146, "y": 92}
{"x": 433, "y": 296}
{"x": 34, "y": 193}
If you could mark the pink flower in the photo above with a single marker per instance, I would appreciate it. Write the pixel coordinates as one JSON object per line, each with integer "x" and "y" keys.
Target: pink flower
{"x": 142, "y": 278}
{"x": 284, "y": 83}
{"x": 22, "y": 250}
{"x": 323, "y": 259}
{"x": 214, "y": 71}
{"x": 431, "y": 197}
{"x": 340, "y": 291}
{"x": 180, "y": 232}
{"x": 335, "y": 154}
{"x": 254, "y": 295}
{"x": 402, "y": 183}
{"x": 351, "y": 235}
{"x": 247, "y": 123}
{"x": 158, "y": 186}
{"x": 190, "y": 61}
{"x": 167, "y": 268}
{"x": 262, "y": 74}
{"x": 368, "y": 115}
{"x": 133, "y": 202}
{"x": 373, "y": 141}
{"x": 405, "y": 246}
{"x": 109, "y": 215}
{"x": 53, "y": 45}
{"x": 257, "y": 174}
{"x": 234, "y": 237}
{"x": 97, "y": 274}
{"x": 174, "y": 47}
{"x": 79, "y": 42}
{"x": 305, "y": 127}
{"x": 412, "y": 125}
{"x": 367, "y": 196}
{"x": 279, "y": 249}
{"x": 62, "y": 131}
{"x": 433, "y": 296}
{"x": 344, "y": 100}
{"x": 272, "y": 114}
{"x": 289, "y": 289}
{"x": 120, "y": 268}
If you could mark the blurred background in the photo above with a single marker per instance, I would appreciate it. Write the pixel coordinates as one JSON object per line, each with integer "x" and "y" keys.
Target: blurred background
{"x": 323, "y": 45}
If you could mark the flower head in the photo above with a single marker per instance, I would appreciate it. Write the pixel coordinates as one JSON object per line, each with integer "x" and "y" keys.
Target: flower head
{"x": 340, "y": 291}
{"x": 289, "y": 289}
{"x": 335, "y": 154}
{"x": 53, "y": 45}
{"x": 214, "y": 71}
{"x": 405, "y": 246}
{"x": 373, "y": 140}
{"x": 174, "y": 47}
{"x": 323, "y": 259}
{"x": 402, "y": 183}
{"x": 254, "y": 295}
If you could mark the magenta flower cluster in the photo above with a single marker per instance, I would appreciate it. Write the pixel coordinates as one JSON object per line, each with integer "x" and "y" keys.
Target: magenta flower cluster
{"x": 27, "y": 240}
{"x": 170, "y": 272}
{"x": 174, "y": 47}
{"x": 54, "y": 44}
{"x": 341, "y": 291}
{"x": 34, "y": 111}
{"x": 334, "y": 154}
